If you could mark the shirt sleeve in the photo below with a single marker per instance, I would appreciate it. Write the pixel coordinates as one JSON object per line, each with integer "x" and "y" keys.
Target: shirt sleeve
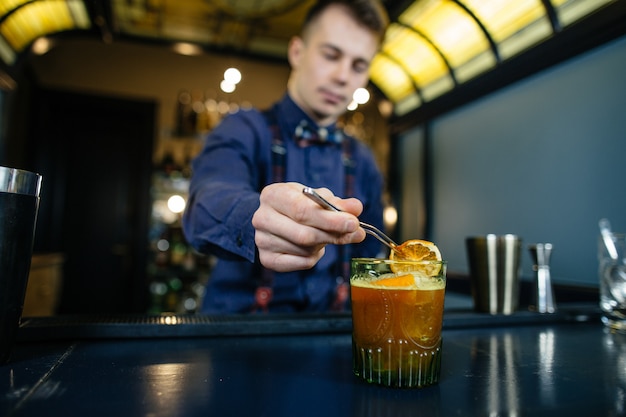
{"x": 224, "y": 190}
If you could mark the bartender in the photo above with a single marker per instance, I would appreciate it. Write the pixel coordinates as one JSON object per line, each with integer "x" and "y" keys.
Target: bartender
{"x": 277, "y": 250}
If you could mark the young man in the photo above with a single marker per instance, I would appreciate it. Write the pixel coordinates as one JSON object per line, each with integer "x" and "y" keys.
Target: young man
{"x": 277, "y": 250}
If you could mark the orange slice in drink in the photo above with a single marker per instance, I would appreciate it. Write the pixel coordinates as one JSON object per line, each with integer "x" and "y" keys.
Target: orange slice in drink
{"x": 401, "y": 281}
{"x": 417, "y": 250}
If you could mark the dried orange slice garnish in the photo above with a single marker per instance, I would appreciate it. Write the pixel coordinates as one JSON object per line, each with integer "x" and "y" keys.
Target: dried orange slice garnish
{"x": 416, "y": 250}
{"x": 401, "y": 281}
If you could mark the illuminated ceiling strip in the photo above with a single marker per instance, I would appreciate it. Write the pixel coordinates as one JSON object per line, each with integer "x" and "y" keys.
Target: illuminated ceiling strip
{"x": 435, "y": 47}
{"x": 483, "y": 28}
{"x": 391, "y": 78}
{"x": 415, "y": 86}
{"x": 11, "y": 6}
{"x": 36, "y": 19}
{"x": 7, "y": 54}
{"x": 552, "y": 15}
{"x": 79, "y": 13}
{"x": 25, "y": 21}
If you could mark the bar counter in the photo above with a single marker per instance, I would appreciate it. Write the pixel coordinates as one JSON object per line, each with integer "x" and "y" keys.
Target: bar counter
{"x": 525, "y": 364}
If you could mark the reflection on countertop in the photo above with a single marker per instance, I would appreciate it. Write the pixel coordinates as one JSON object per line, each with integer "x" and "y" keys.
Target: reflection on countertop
{"x": 523, "y": 364}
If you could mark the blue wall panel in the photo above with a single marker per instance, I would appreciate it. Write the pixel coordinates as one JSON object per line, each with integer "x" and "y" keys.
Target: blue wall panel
{"x": 544, "y": 158}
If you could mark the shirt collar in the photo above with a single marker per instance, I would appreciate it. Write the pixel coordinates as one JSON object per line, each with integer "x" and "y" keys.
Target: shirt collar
{"x": 292, "y": 115}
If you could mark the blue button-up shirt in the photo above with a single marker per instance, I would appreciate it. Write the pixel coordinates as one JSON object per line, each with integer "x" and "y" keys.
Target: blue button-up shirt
{"x": 228, "y": 175}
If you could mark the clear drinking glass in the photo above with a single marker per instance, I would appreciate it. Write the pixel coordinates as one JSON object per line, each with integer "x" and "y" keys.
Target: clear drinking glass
{"x": 612, "y": 275}
{"x": 397, "y": 314}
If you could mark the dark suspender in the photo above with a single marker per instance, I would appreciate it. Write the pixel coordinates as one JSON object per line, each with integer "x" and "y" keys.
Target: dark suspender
{"x": 264, "y": 291}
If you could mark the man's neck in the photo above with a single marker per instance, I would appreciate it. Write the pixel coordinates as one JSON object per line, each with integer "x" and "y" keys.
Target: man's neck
{"x": 319, "y": 121}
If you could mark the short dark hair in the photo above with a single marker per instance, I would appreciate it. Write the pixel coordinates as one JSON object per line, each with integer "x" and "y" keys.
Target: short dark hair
{"x": 369, "y": 13}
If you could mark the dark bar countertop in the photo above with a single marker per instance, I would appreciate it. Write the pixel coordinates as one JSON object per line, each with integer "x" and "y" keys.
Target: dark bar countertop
{"x": 526, "y": 364}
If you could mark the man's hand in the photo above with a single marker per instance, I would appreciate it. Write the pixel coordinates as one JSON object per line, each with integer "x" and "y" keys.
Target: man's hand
{"x": 292, "y": 231}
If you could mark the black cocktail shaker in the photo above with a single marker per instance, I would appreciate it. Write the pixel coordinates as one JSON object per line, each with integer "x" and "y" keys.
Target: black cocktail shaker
{"x": 19, "y": 203}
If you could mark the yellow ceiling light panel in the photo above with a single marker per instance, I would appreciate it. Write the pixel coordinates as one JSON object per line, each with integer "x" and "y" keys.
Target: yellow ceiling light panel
{"x": 455, "y": 33}
{"x": 415, "y": 54}
{"x": 34, "y": 20}
{"x": 8, "y": 5}
{"x": 570, "y": 11}
{"x": 6, "y": 53}
{"x": 41, "y": 18}
{"x": 419, "y": 10}
{"x": 459, "y": 38}
{"x": 390, "y": 78}
{"x": 505, "y": 17}
{"x": 514, "y": 25}
{"x": 79, "y": 13}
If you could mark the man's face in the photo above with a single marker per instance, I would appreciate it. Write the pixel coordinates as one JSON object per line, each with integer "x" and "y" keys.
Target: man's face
{"x": 329, "y": 64}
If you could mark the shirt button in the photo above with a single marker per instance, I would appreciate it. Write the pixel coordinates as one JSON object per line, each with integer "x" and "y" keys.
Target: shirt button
{"x": 239, "y": 241}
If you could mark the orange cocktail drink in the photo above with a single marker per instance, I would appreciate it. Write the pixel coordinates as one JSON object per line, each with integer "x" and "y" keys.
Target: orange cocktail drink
{"x": 397, "y": 313}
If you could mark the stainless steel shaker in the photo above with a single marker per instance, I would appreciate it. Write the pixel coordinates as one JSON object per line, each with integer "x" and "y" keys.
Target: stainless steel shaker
{"x": 494, "y": 263}
{"x": 19, "y": 204}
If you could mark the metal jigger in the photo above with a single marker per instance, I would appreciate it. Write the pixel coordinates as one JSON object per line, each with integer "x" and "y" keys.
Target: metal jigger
{"x": 540, "y": 253}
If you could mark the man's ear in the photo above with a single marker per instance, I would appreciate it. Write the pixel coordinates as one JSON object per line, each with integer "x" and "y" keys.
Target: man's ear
{"x": 296, "y": 44}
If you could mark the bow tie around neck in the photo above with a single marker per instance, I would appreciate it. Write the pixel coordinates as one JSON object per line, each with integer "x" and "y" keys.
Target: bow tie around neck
{"x": 306, "y": 135}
